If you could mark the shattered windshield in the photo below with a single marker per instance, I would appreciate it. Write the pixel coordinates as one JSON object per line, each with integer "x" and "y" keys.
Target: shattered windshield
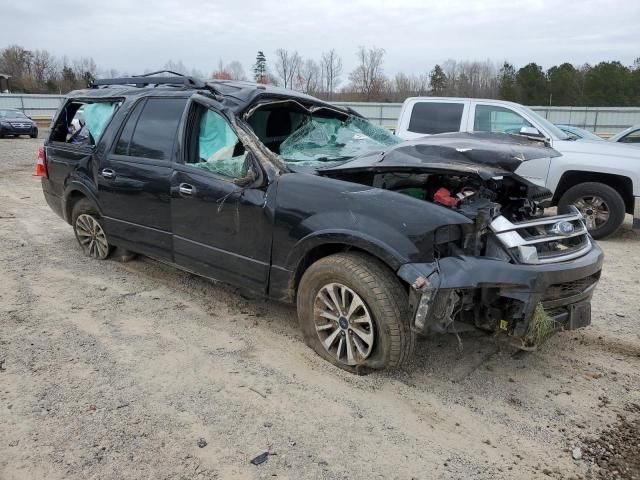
{"x": 322, "y": 141}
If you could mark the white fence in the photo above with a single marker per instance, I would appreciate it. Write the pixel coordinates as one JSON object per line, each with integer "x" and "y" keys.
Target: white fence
{"x": 604, "y": 120}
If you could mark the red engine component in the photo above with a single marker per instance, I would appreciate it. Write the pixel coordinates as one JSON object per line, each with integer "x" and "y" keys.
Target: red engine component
{"x": 444, "y": 197}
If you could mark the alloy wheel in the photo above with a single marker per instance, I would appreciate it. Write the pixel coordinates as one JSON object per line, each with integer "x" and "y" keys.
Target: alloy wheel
{"x": 91, "y": 236}
{"x": 343, "y": 324}
{"x": 594, "y": 209}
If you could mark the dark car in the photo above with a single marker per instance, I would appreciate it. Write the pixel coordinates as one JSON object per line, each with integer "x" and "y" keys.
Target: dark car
{"x": 14, "y": 122}
{"x": 285, "y": 195}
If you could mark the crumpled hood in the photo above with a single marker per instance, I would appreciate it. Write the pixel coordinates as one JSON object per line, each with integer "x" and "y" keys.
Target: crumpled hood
{"x": 484, "y": 154}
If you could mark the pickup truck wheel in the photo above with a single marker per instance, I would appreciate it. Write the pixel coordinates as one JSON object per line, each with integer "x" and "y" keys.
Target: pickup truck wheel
{"x": 89, "y": 231}
{"x": 353, "y": 313}
{"x": 603, "y": 208}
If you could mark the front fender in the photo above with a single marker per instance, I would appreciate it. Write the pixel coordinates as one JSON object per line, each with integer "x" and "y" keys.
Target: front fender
{"x": 358, "y": 240}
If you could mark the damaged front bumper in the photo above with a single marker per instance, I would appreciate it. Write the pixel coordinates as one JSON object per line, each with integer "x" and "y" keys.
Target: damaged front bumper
{"x": 460, "y": 292}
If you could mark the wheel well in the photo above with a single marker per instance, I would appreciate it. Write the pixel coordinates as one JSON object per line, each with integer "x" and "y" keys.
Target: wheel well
{"x": 618, "y": 182}
{"x": 74, "y": 197}
{"x": 322, "y": 251}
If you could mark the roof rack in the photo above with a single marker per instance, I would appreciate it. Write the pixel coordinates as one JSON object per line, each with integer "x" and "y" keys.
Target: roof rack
{"x": 177, "y": 79}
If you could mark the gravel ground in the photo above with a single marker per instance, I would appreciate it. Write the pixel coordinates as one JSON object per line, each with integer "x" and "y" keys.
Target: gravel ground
{"x": 137, "y": 370}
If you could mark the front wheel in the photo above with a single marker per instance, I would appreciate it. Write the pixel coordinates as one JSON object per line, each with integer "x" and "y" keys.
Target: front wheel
{"x": 602, "y": 207}
{"x": 353, "y": 313}
{"x": 89, "y": 231}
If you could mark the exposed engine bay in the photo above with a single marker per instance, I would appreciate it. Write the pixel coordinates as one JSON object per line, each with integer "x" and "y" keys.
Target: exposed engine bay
{"x": 499, "y": 265}
{"x": 468, "y": 195}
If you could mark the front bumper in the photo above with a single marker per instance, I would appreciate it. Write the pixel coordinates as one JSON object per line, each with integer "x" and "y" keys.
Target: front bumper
{"x": 501, "y": 295}
{"x": 8, "y": 129}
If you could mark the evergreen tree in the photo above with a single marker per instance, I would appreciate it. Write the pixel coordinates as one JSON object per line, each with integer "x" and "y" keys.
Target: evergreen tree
{"x": 260, "y": 68}
{"x": 507, "y": 87}
{"x": 438, "y": 81}
{"x": 533, "y": 85}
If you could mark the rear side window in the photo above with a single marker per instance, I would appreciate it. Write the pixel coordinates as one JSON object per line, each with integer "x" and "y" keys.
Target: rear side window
{"x": 152, "y": 133}
{"x": 432, "y": 117}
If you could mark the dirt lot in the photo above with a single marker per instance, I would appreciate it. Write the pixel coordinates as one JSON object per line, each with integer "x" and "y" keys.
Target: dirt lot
{"x": 137, "y": 370}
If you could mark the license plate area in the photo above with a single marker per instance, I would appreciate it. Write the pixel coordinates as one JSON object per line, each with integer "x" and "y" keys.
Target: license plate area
{"x": 579, "y": 315}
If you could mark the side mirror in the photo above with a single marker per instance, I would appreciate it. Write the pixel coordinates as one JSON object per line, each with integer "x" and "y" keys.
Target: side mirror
{"x": 530, "y": 132}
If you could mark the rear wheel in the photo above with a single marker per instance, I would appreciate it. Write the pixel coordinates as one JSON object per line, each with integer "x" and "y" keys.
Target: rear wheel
{"x": 89, "y": 230}
{"x": 602, "y": 207}
{"x": 353, "y": 313}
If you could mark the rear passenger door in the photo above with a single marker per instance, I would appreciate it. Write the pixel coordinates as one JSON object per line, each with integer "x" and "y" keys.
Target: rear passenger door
{"x": 432, "y": 117}
{"x": 134, "y": 177}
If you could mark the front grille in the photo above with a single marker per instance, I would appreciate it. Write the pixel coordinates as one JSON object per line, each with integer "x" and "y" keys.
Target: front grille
{"x": 20, "y": 125}
{"x": 558, "y": 291}
{"x": 544, "y": 240}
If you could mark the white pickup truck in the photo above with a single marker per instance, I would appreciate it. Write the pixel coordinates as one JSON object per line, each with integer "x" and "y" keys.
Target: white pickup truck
{"x": 602, "y": 179}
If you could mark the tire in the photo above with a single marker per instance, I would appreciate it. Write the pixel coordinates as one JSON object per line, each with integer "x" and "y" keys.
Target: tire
{"x": 34, "y": 135}
{"x": 602, "y": 206}
{"x": 89, "y": 230}
{"x": 383, "y": 300}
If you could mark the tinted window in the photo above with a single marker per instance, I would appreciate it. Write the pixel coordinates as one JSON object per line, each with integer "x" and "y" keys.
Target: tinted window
{"x": 497, "y": 119}
{"x": 431, "y": 117}
{"x": 122, "y": 147}
{"x": 156, "y": 128}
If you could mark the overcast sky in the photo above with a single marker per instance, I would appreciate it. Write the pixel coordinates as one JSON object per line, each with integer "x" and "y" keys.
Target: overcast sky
{"x": 136, "y": 35}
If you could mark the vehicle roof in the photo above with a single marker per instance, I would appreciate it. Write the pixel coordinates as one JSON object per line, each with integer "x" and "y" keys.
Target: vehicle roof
{"x": 235, "y": 94}
{"x": 463, "y": 99}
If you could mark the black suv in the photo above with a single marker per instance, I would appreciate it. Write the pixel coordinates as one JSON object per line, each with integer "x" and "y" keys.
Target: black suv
{"x": 377, "y": 240}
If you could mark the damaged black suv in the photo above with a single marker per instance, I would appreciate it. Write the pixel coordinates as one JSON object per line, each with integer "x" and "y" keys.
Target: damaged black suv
{"x": 291, "y": 197}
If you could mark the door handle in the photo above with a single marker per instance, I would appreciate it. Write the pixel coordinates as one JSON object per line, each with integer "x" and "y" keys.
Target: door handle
{"x": 107, "y": 173}
{"x": 186, "y": 189}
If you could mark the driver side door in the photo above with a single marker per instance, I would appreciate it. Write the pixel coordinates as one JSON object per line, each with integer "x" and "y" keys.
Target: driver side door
{"x": 221, "y": 225}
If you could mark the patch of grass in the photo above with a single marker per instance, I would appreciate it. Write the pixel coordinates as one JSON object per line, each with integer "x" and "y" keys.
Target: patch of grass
{"x": 541, "y": 327}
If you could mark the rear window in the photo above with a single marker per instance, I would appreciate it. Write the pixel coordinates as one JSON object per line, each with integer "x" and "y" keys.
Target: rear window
{"x": 432, "y": 117}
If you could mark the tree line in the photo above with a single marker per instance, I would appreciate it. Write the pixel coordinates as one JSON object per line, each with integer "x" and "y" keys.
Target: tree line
{"x": 608, "y": 83}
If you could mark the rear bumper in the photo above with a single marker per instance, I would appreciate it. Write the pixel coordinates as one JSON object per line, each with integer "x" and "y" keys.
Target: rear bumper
{"x": 497, "y": 295}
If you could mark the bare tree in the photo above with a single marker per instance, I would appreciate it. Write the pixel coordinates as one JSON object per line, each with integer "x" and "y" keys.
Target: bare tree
{"x": 308, "y": 78}
{"x": 331, "y": 69}
{"x": 45, "y": 68}
{"x": 287, "y": 66}
{"x": 236, "y": 70}
{"x": 177, "y": 67}
{"x": 368, "y": 77}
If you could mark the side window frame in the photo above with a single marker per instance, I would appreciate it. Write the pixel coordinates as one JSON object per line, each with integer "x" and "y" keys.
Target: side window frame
{"x": 406, "y": 121}
{"x": 633, "y": 134}
{"x": 187, "y": 130}
{"x": 497, "y": 108}
{"x": 142, "y": 102}
{"x": 132, "y": 111}
{"x": 82, "y": 101}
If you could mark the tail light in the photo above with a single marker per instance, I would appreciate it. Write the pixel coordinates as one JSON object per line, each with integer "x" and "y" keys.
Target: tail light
{"x": 41, "y": 165}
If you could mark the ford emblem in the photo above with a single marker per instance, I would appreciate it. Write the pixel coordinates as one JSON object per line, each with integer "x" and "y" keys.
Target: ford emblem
{"x": 563, "y": 228}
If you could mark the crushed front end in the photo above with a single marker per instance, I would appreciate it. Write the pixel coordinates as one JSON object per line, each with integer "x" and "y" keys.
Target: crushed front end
{"x": 530, "y": 272}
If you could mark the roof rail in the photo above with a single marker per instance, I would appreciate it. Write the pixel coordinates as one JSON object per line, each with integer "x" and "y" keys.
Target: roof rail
{"x": 149, "y": 79}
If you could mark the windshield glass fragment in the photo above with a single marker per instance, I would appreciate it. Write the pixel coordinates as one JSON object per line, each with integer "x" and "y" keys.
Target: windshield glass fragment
{"x": 320, "y": 140}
